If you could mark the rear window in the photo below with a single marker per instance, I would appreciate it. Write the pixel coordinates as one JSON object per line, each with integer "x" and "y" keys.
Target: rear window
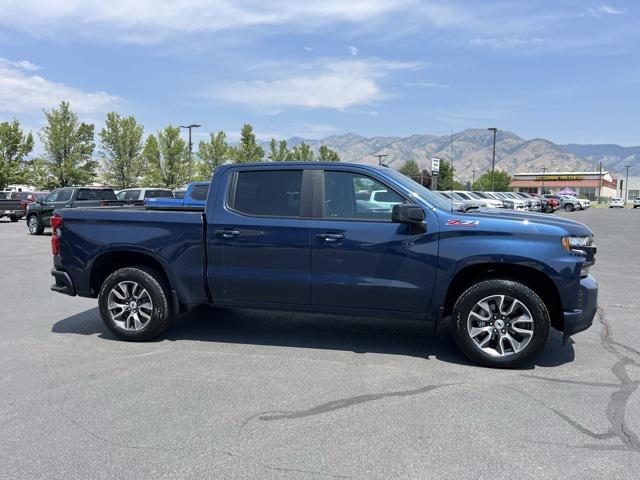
{"x": 199, "y": 192}
{"x": 96, "y": 194}
{"x": 274, "y": 193}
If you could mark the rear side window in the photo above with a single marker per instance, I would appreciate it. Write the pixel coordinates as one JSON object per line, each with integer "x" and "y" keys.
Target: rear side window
{"x": 95, "y": 194}
{"x": 273, "y": 193}
{"x": 158, "y": 194}
{"x": 199, "y": 192}
{"x": 131, "y": 195}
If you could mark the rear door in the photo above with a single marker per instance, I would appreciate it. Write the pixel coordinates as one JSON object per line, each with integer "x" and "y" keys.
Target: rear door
{"x": 258, "y": 238}
{"x": 359, "y": 258}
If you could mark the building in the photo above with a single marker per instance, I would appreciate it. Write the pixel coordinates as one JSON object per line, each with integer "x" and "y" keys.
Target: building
{"x": 585, "y": 184}
{"x": 633, "y": 189}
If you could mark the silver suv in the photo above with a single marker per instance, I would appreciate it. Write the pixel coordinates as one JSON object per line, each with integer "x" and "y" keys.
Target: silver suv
{"x": 636, "y": 202}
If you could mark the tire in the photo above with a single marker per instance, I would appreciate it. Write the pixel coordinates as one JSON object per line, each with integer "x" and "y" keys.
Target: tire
{"x": 35, "y": 225}
{"x": 528, "y": 303}
{"x": 568, "y": 207}
{"x": 119, "y": 287}
{"x": 13, "y": 218}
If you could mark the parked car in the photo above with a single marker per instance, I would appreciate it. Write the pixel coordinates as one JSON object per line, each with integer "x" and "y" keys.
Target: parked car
{"x": 534, "y": 204}
{"x": 39, "y": 213}
{"x": 510, "y": 202}
{"x": 179, "y": 193}
{"x": 460, "y": 203}
{"x": 636, "y": 202}
{"x": 491, "y": 198}
{"x": 137, "y": 196}
{"x": 454, "y": 205}
{"x": 290, "y": 237}
{"x": 484, "y": 202}
{"x": 584, "y": 202}
{"x": 616, "y": 203}
{"x": 568, "y": 204}
{"x": 195, "y": 196}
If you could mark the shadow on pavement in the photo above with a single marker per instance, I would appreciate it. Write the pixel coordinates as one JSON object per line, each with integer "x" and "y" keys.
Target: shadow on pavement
{"x": 305, "y": 330}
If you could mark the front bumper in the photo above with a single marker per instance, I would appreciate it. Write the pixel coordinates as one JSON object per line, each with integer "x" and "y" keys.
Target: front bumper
{"x": 578, "y": 320}
{"x": 63, "y": 284}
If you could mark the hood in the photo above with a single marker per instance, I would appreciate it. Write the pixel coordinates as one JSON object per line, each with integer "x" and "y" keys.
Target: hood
{"x": 509, "y": 218}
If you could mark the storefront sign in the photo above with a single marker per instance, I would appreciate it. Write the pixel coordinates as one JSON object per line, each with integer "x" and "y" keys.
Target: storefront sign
{"x": 559, "y": 178}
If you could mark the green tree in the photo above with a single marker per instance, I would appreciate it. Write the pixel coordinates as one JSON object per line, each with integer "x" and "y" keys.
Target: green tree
{"x": 121, "y": 140}
{"x": 15, "y": 145}
{"x": 68, "y": 146}
{"x": 278, "y": 151}
{"x": 213, "y": 154}
{"x": 410, "y": 169}
{"x": 502, "y": 182}
{"x": 445, "y": 177}
{"x": 166, "y": 159}
{"x": 37, "y": 172}
{"x": 247, "y": 150}
{"x": 301, "y": 153}
{"x": 325, "y": 154}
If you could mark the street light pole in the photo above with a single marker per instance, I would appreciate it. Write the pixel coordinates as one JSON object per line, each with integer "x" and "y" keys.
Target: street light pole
{"x": 626, "y": 185}
{"x": 473, "y": 172}
{"x": 493, "y": 159}
{"x": 380, "y": 157}
{"x": 189, "y": 127}
{"x": 544, "y": 173}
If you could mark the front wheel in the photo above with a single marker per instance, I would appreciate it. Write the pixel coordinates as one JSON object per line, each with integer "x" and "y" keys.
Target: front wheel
{"x": 134, "y": 303}
{"x": 569, "y": 208}
{"x": 500, "y": 323}
{"x": 13, "y": 218}
{"x": 35, "y": 225}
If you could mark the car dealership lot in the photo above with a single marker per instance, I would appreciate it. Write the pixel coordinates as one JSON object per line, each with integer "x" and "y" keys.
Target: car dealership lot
{"x": 237, "y": 394}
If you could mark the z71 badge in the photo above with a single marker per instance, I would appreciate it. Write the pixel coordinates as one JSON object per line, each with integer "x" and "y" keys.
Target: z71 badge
{"x": 463, "y": 223}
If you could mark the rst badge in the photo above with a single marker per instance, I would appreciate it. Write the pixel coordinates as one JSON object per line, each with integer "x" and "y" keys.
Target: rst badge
{"x": 463, "y": 223}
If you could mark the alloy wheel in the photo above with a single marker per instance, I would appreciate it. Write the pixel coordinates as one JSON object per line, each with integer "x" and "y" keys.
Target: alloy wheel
{"x": 130, "y": 306}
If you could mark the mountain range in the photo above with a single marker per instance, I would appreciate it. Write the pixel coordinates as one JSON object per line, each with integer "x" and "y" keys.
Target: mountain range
{"x": 471, "y": 150}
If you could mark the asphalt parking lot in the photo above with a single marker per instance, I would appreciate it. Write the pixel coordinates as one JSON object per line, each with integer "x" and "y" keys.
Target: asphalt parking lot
{"x": 237, "y": 394}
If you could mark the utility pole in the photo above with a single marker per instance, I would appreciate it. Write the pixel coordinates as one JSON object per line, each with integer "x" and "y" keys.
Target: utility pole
{"x": 380, "y": 157}
{"x": 544, "y": 174}
{"x": 473, "y": 172}
{"x": 189, "y": 127}
{"x": 493, "y": 159}
{"x": 600, "y": 182}
{"x": 626, "y": 185}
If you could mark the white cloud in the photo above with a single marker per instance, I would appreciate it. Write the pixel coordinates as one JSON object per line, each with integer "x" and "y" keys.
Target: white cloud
{"x": 25, "y": 65}
{"x": 426, "y": 84}
{"x": 353, "y": 50}
{"x": 148, "y": 21}
{"x": 330, "y": 83}
{"x": 506, "y": 42}
{"x": 23, "y": 93}
{"x": 308, "y": 49}
{"x": 605, "y": 9}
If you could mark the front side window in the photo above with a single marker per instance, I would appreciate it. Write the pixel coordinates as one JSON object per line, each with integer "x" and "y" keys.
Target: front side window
{"x": 63, "y": 196}
{"x": 272, "y": 193}
{"x": 355, "y": 196}
{"x": 132, "y": 195}
{"x": 95, "y": 194}
{"x": 53, "y": 196}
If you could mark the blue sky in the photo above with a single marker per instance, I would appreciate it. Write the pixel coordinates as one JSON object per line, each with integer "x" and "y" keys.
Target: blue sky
{"x": 568, "y": 71}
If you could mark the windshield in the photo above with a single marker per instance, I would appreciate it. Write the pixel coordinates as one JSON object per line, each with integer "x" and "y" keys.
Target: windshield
{"x": 465, "y": 195}
{"x": 420, "y": 191}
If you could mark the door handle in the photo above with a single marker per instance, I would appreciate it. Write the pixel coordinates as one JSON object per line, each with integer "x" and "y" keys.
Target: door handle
{"x": 330, "y": 237}
{"x": 228, "y": 233}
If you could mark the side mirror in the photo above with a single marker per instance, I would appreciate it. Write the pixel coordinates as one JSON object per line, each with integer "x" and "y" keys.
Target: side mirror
{"x": 407, "y": 213}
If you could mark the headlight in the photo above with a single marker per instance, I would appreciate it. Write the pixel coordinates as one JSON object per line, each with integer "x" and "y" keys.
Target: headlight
{"x": 574, "y": 243}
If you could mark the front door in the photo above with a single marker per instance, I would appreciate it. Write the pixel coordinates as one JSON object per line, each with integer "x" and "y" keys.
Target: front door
{"x": 57, "y": 199}
{"x": 259, "y": 248}
{"x": 362, "y": 260}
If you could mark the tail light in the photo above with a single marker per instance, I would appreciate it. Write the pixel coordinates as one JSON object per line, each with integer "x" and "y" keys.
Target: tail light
{"x": 56, "y": 224}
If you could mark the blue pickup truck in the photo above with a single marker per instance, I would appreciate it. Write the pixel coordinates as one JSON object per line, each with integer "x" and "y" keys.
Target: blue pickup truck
{"x": 194, "y": 196}
{"x": 296, "y": 236}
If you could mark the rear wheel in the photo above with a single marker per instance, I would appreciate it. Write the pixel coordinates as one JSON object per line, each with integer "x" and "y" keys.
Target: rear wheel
{"x": 13, "y": 218}
{"x": 134, "y": 303}
{"x": 500, "y": 323}
{"x": 569, "y": 207}
{"x": 35, "y": 225}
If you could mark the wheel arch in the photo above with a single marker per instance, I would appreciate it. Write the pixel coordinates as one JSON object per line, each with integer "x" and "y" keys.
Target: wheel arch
{"x": 536, "y": 280}
{"x": 108, "y": 262}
